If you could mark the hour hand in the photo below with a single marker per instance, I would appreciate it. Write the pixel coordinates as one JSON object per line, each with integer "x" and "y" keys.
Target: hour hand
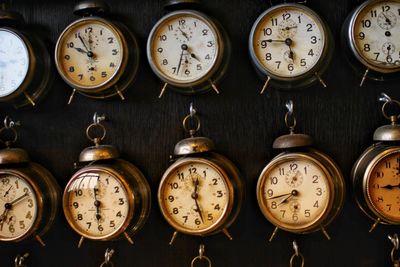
{"x": 80, "y": 50}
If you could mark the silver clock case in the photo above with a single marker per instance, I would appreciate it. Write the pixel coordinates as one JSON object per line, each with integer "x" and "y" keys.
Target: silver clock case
{"x": 126, "y": 73}
{"x": 358, "y": 63}
{"x": 215, "y": 75}
{"x": 38, "y": 79}
{"x": 305, "y": 79}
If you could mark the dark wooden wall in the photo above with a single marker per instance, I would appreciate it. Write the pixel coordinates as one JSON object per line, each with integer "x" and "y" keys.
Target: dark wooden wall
{"x": 243, "y": 124}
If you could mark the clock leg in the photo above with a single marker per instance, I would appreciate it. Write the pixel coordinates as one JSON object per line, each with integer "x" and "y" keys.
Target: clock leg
{"x": 163, "y": 90}
{"x": 81, "y": 241}
{"x": 265, "y": 85}
{"x": 225, "y": 231}
{"x": 325, "y": 233}
{"x": 29, "y": 99}
{"x": 364, "y": 77}
{"x": 273, "y": 234}
{"x": 72, "y": 96}
{"x": 175, "y": 234}
{"x": 320, "y": 80}
{"x": 213, "y": 86}
{"x": 374, "y": 225}
{"x": 39, "y": 239}
{"x": 128, "y": 238}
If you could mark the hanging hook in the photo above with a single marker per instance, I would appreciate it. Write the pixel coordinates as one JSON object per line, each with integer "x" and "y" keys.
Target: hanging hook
{"x": 107, "y": 258}
{"x": 384, "y": 98}
{"x": 98, "y": 118}
{"x": 19, "y": 260}
{"x": 395, "y": 241}
{"x": 289, "y": 106}
{"x": 290, "y": 120}
{"x": 9, "y": 123}
{"x": 389, "y": 101}
{"x": 194, "y": 126}
{"x": 296, "y": 254}
{"x": 192, "y": 110}
{"x": 201, "y": 257}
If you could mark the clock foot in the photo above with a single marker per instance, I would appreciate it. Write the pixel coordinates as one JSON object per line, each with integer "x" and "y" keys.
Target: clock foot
{"x": 320, "y": 80}
{"x": 72, "y": 96}
{"x": 225, "y": 231}
{"x": 273, "y": 234}
{"x": 130, "y": 240}
{"x": 364, "y": 77}
{"x": 81, "y": 241}
{"x": 29, "y": 99}
{"x": 265, "y": 85}
{"x": 325, "y": 233}
{"x": 39, "y": 239}
{"x": 173, "y": 238}
{"x": 374, "y": 225}
{"x": 163, "y": 90}
{"x": 119, "y": 93}
{"x": 214, "y": 87}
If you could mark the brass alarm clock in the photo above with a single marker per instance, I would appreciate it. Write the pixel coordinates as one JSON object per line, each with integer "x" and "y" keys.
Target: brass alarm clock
{"x": 25, "y": 62}
{"x": 108, "y": 197}
{"x": 29, "y": 194}
{"x": 302, "y": 189}
{"x": 188, "y": 50}
{"x": 97, "y": 57}
{"x": 290, "y": 46}
{"x": 376, "y": 173}
{"x": 371, "y": 39}
{"x": 201, "y": 193}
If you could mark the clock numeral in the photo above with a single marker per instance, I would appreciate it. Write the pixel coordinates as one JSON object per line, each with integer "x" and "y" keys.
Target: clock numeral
{"x": 5, "y": 181}
{"x": 170, "y": 27}
{"x": 313, "y": 39}
{"x": 195, "y": 24}
{"x": 163, "y": 38}
{"x": 398, "y": 10}
{"x": 303, "y": 62}
{"x": 121, "y": 201}
{"x": 79, "y": 217}
{"x": 175, "y": 211}
{"x": 319, "y": 191}
{"x": 389, "y": 207}
{"x": 171, "y": 198}
{"x": 387, "y": 165}
{"x": 274, "y": 205}
{"x": 366, "y": 23}
{"x": 182, "y": 22}
{"x": 210, "y": 217}
{"x": 26, "y": 190}
{"x": 119, "y": 214}
{"x": 197, "y": 221}
{"x": 80, "y": 76}
{"x": 30, "y": 203}
{"x": 274, "y": 22}
{"x": 214, "y": 181}
{"x": 367, "y": 47}
{"x": 270, "y": 192}
{"x": 116, "y": 188}
{"x": 114, "y": 52}
{"x": 293, "y": 166}
{"x": 208, "y": 57}
{"x": 281, "y": 170}
{"x": 28, "y": 215}
{"x": 75, "y": 205}
{"x": 199, "y": 67}
{"x": 290, "y": 67}
{"x": 315, "y": 179}
{"x": 274, "y": 180}
{"x": 264, "y": 44}
{"x": 11, "y": 228}
{"x": 316, "y": 204}
{"x": 267, "y": 31}
{"x": 205, "y": 32}
{"x": 307, "y": 213}
{"x": 173, "y": 185}
{"x": 112, "y": 224}
{"x": 278, "y": 64}
{"x": 299, "y": 18}
{"x": 92, "y": 78}
{"x": 217, "y": 207}
{"x": 192, "y": 170}
{"x": 103, "y": 74}
{"x": 185, "y": 218}
{"x": 187, "y": 72}
{"x": 311, "y": 53}
{"x": 373, "y": 13}
{"x": 71, "y": 69}
{"x": 70, "y": 45}
{"x": 110, "y": 40}
{"x": 181, "y": 176}
{"x": 210, "y": 44}
{"x": 88, "y": 29}
{"x": 160, "y": 50}
{"x": 112, "y": 65}
{"x": 89, "y": 224}
{"x": 21, "y": 225}
{"x": 100, "y": 228}
{"x": 385, "y": 8}
{"x": 309, "y": 27}
{"x": 295, "y": 217}
{"x": 165, "y": 62}
{"x": 361, "y": 36}
{"x": 286, "y": 16}
{"x": 283, "y": 213}
{"x": 379, "y": 174}
{"x": 67, "y": 57}
{"x": 219, "y": 194}
{"x": 380, "y": 199}
{"x": 268, "y": 56}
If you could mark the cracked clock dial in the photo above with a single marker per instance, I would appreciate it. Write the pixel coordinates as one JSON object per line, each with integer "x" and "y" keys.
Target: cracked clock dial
{"x": 96, "y": 204}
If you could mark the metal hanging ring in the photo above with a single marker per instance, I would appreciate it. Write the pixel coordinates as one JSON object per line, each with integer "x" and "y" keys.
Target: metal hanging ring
{"x": 195, "y": 119}
{"x": 290, "y": 121}
{"x": 299, "y": 255}
{"x": 201, "y": 258}
{"x": 13, "y": 140}
{"x": 390, "y": 102}
{"x": 107, "y": 258}
{"x": 395, "y": 241}
{"x": 92, "y": 127}
{"x": 104, "y": 264}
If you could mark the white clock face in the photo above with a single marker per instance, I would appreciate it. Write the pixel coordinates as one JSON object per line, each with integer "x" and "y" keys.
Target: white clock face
{"x": 376, "y": 35}
{"x": 14, "y": 62}
{"x": 194, "y": 196}
{"x": 288, "y": 41}
{"x": 18, "y": 207}
{"x": 183, "y": 48}
{"x": 89, "y": 54}
{"x": 294, "y": 193}
{"x": 96, "y": 204}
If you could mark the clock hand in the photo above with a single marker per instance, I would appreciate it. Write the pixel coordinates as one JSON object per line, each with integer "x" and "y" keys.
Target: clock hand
{"x": 184, "y": 33}
{"x": 389, "y": 186}
{"x": 80, "y": 50}
{"x": 184, "y": 48}
{"x": 292, "y": 194}
{"x": 289, "y": 28}
{"x": 89, "y": 53}
{"x": 97, "y": 205}
{"x": 277, "y": 41}
{"x": 283, "y": 195}
{"x": 195, "y": 196}
{"x": 7, "y": 191}
{"x": 84, "y": 44}
{"x": 17, "y": 200}
{"x": 387, "y": 19}
{"x": 8, "y": 207}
